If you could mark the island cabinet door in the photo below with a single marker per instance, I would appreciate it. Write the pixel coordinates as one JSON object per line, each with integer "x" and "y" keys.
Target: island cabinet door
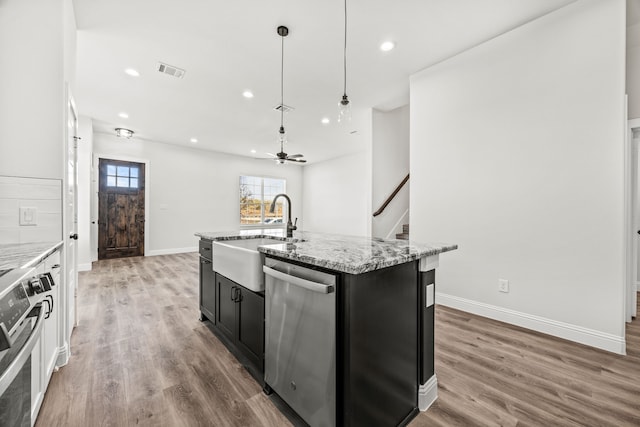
{"x": 226, "y": 293}
{"x": 250, "y": 328}
{"x": 207, "y": 290}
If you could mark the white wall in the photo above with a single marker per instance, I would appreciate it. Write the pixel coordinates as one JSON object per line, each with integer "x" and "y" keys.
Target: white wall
{"x": 336, "y": 195}
{"x": 390, "y": 156}
{"x": 191, "y": 190}
{"x": 517, "y": 156}
{"x": 32, "y": 88}
{"x": 85, "y": 176}
{"x": 633, "y": 70}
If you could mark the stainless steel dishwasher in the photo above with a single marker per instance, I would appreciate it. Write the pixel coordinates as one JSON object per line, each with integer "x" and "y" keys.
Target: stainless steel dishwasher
{"x": 300, "y": 339}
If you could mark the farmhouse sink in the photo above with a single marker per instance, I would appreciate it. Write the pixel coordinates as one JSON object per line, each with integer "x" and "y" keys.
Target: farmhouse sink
{"x": 240, "y": 261}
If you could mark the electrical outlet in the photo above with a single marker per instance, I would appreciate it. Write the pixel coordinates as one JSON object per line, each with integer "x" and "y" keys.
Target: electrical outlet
{"x": 503, "y": 285}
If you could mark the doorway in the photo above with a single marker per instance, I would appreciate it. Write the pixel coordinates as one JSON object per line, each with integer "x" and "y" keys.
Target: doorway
{"x": 121, "y": 208}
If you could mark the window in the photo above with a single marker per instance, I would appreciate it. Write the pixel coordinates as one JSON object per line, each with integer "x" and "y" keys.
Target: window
{"x": 256, "y": 195}
{"x": 122, "y": 176}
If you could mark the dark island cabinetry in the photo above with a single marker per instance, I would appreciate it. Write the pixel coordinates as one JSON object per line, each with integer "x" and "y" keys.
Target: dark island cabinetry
{"x": 207, "y": 283}
{"x": 236, "y": 313}
{"x": 240, "y": 320}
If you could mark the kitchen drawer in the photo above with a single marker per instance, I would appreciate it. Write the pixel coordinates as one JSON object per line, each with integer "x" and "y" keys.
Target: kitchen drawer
{"x": 205, "y": 248}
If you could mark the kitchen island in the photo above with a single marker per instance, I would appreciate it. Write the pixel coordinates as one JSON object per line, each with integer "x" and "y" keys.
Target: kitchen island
{"x": 348, "y": 323}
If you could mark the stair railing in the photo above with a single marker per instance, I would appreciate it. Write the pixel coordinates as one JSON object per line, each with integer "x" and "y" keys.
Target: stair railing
{"x": 390, "y": 198}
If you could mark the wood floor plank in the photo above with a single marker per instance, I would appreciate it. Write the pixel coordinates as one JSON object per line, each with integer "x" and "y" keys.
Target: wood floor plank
{"x": 141, "y": 357}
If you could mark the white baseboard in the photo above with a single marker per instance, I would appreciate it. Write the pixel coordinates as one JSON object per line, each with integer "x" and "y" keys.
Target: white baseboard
{"x": 63, "y": 356}
{"x": 427, "y": 393}
{"x": 591, "y": 337}
{"x": 84, "y": 267}
{"x": 171, "y": 251}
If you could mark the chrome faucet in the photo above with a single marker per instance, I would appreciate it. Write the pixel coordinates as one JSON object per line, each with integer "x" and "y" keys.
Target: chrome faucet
{"x": 290, "y": 226}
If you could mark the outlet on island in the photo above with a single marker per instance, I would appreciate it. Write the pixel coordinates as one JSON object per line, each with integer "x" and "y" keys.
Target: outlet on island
{"x": 503, "y": 285}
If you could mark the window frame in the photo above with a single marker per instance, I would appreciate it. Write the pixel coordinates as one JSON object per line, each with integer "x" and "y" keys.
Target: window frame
{"x": 116, "y": 176}
{"x": 262, "y": 224}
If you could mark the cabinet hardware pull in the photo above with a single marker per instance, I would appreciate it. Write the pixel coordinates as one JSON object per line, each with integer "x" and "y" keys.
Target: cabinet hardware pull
{"x": 233, "y": 293}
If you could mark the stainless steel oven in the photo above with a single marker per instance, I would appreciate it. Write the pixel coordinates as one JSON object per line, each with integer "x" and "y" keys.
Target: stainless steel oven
{"x": 21, "y": 318}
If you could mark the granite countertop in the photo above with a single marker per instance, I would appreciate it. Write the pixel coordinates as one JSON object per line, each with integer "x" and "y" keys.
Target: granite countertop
{"x": 347, "y": 254}
{"x": 20, "y": 255}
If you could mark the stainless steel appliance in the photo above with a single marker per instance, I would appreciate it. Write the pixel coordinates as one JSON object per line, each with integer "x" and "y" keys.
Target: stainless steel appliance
{"x": 22, "y": 295}
{"x": 300, "y": 339}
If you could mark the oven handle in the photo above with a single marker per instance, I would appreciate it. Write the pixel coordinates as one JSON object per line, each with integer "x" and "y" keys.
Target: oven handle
{"x": 14, "y": 368}
{"x": 298, "y": 281}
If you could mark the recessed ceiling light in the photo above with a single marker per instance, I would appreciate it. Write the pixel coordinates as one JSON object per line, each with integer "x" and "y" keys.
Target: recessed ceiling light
{"x": 247, "y": 94}
{"x": 387, "y": 46}
{"x": 253, "y": 151}
{"x": 325, "y": 120}
{"x": 194, "y": 140}
{"x": 123, "y": 115}
{"x": 132, "y": 72}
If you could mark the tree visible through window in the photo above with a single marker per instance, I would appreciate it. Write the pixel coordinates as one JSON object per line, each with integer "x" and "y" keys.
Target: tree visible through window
{"x": 256, "y": 195}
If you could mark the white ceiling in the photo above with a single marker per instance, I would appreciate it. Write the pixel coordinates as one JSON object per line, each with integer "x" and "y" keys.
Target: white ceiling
{"x": 227, "y": 47}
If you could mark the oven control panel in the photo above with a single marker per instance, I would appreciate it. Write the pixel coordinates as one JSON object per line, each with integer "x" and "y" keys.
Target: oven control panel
{"x": 13, "y": 306}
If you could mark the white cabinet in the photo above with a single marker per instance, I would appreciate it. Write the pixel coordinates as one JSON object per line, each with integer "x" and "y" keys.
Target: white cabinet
{"x": 45, "y": 352}
{"x": 37, "y": 386}
{"x": 51, "y": 325}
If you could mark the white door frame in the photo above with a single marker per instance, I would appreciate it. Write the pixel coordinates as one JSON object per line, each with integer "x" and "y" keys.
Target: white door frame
{"x": 67, "y": 295}
{"x": 94, "y": 199}
{"x": 632, "y": 225}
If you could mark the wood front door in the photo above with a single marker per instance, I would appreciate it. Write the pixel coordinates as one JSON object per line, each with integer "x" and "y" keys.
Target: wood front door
{"x": 120, "y": 209}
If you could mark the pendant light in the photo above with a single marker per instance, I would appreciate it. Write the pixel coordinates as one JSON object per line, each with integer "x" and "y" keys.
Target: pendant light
{"x": 282, "y": 157}
{"x": 345, "y": 106}
{"x": 282, "y": 136}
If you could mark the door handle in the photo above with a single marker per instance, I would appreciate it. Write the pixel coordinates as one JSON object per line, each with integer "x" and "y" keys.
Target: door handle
{"x": 74, "y": 236}
{"x": 298, "y": 281}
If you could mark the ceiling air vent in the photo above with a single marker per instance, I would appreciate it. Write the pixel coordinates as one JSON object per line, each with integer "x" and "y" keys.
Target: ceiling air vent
{"x": 284, "y": 108}
{"x": 170, "y": 70}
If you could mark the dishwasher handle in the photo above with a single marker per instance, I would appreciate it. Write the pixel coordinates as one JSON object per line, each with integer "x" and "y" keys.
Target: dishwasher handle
{"x": 298, "y": 281}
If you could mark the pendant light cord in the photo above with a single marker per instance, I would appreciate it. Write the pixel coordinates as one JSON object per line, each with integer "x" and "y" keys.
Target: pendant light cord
{"x": 282, "y": 83}
{"x": 345, "y": 47}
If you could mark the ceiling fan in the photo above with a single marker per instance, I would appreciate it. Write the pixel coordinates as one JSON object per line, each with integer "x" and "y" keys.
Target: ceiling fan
{"x": 282, "y": 157}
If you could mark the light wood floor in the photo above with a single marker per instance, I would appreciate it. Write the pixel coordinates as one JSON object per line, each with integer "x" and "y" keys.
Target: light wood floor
{"x": 141, "y": 357}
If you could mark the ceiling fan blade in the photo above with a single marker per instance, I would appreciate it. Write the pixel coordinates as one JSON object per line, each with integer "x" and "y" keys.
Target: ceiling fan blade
{"x": 271, "y": 154}
{"x": 296, "y": 160}
{"x": 293, "y": 156}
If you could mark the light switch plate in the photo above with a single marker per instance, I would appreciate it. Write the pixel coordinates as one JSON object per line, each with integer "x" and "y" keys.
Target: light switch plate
{"x": 28, "y": 216}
